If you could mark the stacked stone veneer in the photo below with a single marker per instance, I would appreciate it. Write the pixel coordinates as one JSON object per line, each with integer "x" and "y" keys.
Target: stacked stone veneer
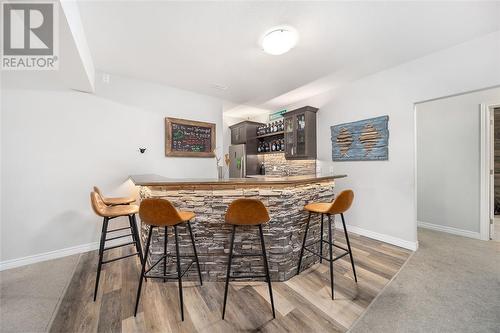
{"x": 287, "y": 167}
{"x": 283, "y": 234}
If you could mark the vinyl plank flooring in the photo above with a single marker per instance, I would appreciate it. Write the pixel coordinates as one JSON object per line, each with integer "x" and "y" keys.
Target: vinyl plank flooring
{"x": 303, "y": 303}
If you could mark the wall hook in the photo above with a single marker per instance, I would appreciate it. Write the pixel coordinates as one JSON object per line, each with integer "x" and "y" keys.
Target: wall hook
{"x": 142, "y": 150}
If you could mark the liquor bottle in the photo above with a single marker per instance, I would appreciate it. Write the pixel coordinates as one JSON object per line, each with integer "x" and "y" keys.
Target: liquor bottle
{"x": 273, "y": 146}
{"x": 259, "y": 148}
{"x": 267, "y": 147}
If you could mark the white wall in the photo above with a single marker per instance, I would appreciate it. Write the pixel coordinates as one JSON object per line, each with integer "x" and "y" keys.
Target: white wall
{"x": 384, "y": 205}
{"x": 58, "y": 143}
{"x": 448, "y": 162}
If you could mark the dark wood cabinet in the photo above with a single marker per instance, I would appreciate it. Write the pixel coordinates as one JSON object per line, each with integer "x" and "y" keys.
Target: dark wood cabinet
{"x": 300, "y": 133}
{"x": 244, "y": 132}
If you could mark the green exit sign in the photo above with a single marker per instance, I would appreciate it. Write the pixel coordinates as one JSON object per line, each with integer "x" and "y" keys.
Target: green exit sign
{"x": 277, "y": 115}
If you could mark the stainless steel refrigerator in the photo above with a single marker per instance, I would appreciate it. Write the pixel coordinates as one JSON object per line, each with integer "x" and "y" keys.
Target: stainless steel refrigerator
{"x": 242, "y": 163}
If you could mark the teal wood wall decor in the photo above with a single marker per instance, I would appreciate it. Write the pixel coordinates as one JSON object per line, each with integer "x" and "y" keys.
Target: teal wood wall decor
{"x": 363, "y": 140}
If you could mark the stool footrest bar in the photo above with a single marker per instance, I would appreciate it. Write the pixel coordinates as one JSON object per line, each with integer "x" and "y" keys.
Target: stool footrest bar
{"x": 122, "y": 257}
{"x": 117, "y": 237}
{"x": 172, "y": 276}
{"x": 340, "y": 247}
{"x": 119, "y": 245}
{"x": 163, "y": 257}
{"x": 117, "y": 229}
{"x": 325, "y": 258}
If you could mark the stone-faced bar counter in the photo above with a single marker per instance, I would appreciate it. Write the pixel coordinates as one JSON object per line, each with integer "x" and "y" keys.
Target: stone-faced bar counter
{"x": 284, "y": 197}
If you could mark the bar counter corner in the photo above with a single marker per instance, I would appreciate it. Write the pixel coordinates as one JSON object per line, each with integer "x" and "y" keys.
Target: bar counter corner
{"x": 284, "y": 197}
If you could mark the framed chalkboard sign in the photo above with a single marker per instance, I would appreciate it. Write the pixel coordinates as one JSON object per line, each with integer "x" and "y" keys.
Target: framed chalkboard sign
{"x": 188, "y": 138}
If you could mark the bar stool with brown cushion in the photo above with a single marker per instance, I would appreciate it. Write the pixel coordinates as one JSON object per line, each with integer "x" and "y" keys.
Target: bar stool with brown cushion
{"x": 247, "y": 212}
{"x": 338, "y": 206}
{"x": 108, "y": 213}
{"x": 114, "y": 201}
{"x": 159, "y": 213}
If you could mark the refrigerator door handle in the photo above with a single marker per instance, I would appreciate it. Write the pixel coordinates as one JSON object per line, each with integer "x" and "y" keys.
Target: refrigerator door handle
{"x": 243, "y": 167}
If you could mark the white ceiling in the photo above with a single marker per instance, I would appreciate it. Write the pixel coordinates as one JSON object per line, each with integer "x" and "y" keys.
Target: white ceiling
{"x": 196, "y": 45}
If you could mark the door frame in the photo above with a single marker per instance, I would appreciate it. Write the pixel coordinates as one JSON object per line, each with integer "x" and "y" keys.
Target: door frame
{"x": 487, "y": 189}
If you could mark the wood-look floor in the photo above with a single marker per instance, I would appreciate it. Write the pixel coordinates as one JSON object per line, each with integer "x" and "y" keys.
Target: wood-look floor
{"x": 303, "y": 303}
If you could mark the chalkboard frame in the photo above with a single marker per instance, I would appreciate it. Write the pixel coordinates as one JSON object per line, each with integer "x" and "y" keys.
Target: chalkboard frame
{"x": 168, "y": 138}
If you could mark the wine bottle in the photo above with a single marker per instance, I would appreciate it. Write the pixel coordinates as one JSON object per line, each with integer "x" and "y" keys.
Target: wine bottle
{"x": 262, "y": 170}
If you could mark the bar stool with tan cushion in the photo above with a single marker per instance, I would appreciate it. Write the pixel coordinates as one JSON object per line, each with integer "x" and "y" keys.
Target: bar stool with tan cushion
{"x": 338, "y": 206}
{"x": 159, "y": 213}
{"x": 114, "y": 201}
{"x": 108, "y": 213}
{"x": 247, "y": 212}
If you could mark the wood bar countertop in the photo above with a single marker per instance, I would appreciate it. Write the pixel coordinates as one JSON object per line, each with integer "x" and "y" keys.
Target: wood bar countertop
{"x": 156, "y": 180}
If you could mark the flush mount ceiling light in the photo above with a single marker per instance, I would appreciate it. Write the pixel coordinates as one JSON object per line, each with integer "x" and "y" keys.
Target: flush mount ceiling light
{"x": 279, "y": 40}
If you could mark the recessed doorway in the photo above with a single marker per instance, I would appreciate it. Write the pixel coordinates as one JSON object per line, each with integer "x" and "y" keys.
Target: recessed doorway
{"x": 495, "y": 124}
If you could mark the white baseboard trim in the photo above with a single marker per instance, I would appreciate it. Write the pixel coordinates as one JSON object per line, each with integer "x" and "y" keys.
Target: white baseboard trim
{"x": 13, "y": 263}
{"x": 450, "y": 230}
{"x": 381, "y": 237}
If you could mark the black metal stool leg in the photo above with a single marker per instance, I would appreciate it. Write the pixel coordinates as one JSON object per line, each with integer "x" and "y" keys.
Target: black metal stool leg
{"x": 135, "y": 236}
{"x": 132, "y": 231}
{"x": 266, "y": 267}
{"x": 179, "y": 278}
{"x": 303, "y": 243}
{"x": 135, "y": 230}
{"x": 349, "y": 247}
{"x": 101, "y": 254}
{"x": 228, "y": 270}
{"x": 143, "y": 270}
{"x": 195, "y": 253}
{"x": 331, "y": 253}
{"x": 321, "y": 241}
{"x": 165, "y": 243}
